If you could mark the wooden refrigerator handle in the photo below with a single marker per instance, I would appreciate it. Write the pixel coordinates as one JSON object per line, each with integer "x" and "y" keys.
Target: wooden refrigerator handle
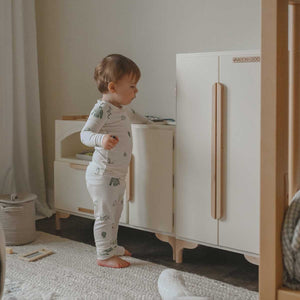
{"x": 129, "y": 181}
{"x": 217, "y": 151}
{"x": 219, "y": 168}
{"x": 213, "y": 150}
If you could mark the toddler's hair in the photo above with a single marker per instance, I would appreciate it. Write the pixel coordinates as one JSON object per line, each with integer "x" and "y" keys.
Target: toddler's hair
{"x": 112, "y": 68}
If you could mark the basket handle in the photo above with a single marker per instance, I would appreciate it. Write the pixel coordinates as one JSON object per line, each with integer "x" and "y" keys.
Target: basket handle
{"x": 13, "y": 197}
{"x": 11, "y": 208}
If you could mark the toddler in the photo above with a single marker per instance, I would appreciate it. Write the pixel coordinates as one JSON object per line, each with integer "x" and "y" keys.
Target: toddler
{"x": 108, "y": 129}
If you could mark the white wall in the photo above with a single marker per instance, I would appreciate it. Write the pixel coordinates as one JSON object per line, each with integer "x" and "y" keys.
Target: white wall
{"x": 73, "y": 36}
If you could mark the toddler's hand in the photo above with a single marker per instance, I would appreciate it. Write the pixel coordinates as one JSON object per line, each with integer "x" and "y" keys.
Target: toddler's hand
{"x": 109, "y": 141}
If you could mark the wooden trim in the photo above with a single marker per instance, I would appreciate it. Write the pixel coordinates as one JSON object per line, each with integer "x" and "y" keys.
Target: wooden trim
{"x": 274, "y": 142}
{"x": 286, "y": 187}
{"x": 63, "y": 215}
{"x": 168, "y": 239}
{"x": 219, "y": 156}
{"x": 78, "y": 166}
{"x": 213, "y": 150}
{"x": 294, "y": 109}
{"x": 252, "y": 259}
{"x": 58, "y": 216}
{"x": 294, "y": 2}
{"x": 129, "y": 181}
{"x": 286, "y": 294}
{"x": 180, "y": 245}
{"x": 57, "y": 222}
{"x": 177, "y": 245}
{"x": 86, "y": 210}
{"x": 75, "y": 117}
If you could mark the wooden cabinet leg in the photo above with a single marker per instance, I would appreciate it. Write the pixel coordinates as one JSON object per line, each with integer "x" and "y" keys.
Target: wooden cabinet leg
{"x": 59, "y": 216}
{"x": 168, "y": 239}
{"x": 177, "y": 245}
{"x": 57, "y": 221}
{"x": 179, "y": 253}
{"x": 252, "y": 259}
{"x": 180, "y": 245}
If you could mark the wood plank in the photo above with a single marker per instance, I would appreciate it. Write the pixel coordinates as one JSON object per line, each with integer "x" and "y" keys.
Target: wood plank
{"x": 286, "y": 294}
{"x": 294, "y": 124}
{"x": 220, "y": 155}
{"x": 75, "y": 117}
{"x": 86, "y": 210}
{"x": 213, "y": 150}
{"x": 78, "y": 166}
{"x": 274, "y": 142}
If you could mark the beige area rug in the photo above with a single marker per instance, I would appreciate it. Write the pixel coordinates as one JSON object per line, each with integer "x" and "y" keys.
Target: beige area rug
{"x": 71, "y": 273}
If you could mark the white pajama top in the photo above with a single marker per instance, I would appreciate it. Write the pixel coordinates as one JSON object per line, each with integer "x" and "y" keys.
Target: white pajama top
{"x": 106, "y": 118}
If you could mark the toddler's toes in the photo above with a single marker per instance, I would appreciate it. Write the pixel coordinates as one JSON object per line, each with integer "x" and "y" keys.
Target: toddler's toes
{"x": 125, "y": 264}
{"x": 127, "y": 253}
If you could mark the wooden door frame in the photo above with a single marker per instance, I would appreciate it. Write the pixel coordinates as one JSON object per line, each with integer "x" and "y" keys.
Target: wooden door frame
{"x": 274, "y": 147}
{"x": 274, "y": 142}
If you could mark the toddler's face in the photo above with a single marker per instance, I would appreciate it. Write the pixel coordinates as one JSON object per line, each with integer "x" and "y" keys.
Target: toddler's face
{"x": 126, "y": 89}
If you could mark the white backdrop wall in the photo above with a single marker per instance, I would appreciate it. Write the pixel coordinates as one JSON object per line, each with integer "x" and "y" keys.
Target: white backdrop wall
{"x": 73, "y": 36}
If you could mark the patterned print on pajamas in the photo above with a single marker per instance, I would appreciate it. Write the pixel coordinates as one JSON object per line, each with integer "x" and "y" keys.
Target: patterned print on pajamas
{"x": 105, "y": 175}
{"x": 108, "y": 205}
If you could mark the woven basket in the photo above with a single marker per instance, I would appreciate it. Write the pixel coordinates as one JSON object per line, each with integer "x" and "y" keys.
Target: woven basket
{"x": 17, "y": 215}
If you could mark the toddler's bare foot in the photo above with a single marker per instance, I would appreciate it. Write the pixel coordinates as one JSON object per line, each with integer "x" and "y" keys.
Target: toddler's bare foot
{"x": 127, "y": 253}
{"x": 113, "y": 262}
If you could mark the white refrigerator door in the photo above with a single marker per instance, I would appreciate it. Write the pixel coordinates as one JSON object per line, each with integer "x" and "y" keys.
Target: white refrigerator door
{"x": 196, "y": 74}
{"x": 239, "y": 227}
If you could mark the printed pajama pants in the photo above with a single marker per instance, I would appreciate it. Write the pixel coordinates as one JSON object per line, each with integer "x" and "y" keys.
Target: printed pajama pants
{"x": 107, "y": 195}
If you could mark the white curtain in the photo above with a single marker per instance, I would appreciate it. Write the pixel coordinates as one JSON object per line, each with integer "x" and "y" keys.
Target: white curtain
{"x": 21, "y": 160}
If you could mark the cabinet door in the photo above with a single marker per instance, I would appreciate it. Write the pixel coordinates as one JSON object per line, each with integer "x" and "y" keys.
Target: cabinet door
{"x": 151, "y": 206}
{"x": 196, "y": 75}
{"x": 70, "y": 192}
{"x": 239, "y": 227}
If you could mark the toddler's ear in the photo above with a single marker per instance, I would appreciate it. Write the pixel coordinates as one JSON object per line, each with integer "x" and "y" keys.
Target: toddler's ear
{"x": 111, "y": 87}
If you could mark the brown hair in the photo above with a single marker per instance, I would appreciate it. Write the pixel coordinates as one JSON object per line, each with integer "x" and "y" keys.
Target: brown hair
{"x": 112, "y": 68}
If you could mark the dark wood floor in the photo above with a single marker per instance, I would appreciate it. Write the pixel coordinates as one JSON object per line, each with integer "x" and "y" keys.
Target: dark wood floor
{"x": 213, "y": 263}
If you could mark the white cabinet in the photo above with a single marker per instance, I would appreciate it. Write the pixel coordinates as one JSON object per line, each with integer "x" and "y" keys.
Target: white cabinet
{"x": 70, "y": 189}
{"x": 195, "y": 76}
{"x": 217, "y": 174}
{"x": 151, "y": 203}
{"x": 148, "y": 201}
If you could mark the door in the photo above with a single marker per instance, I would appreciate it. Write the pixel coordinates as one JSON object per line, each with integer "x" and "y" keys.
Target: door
{"x": 151, "y": 204}
{"x": 196, "y": 74}
{"x": 239, "y": 226}
{"x": 70, "y": 190}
